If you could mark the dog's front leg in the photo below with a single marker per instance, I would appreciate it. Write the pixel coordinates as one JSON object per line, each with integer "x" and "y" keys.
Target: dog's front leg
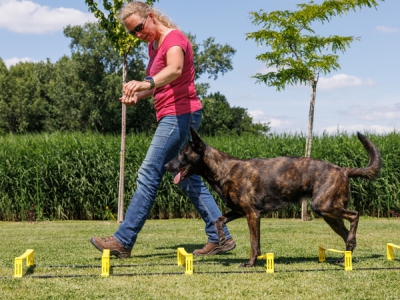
{"x": 253, "y": 221}
{"x": 221, "y": 221}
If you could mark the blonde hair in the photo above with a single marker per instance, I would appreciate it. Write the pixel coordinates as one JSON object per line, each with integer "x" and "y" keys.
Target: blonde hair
{"x": 142, "y": 9}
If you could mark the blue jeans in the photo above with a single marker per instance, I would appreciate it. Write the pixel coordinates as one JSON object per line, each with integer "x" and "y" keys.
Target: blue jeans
{"x": 171, "y": 134}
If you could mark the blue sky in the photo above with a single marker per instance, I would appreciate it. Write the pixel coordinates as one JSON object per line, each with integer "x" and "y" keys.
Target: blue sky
{"x": 363, "y": 95}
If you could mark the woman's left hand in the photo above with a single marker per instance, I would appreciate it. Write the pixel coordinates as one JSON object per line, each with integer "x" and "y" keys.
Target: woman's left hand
{"x": 133, "y": 86}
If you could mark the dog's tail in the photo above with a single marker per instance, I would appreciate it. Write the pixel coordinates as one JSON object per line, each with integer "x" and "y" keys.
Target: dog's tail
{"x": 375, "y": 161}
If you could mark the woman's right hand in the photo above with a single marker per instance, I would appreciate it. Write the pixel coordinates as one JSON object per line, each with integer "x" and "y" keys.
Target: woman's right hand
{"x": 129, "y": 100}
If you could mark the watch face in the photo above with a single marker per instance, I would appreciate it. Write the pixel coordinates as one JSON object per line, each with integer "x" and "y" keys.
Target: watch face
{"x": 148, "y": 78}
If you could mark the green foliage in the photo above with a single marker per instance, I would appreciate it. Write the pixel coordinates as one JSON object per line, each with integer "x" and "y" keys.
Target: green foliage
{"x": 23, "y": 99}
{"x": 211, "y": 58}
{"x": 81, "y": 92}
{"x": 219, "y": 117}
{"x": 299, "y": 58}
{"x": 98, "y": 70}
{"x": 4, "y": 111}
{"x": 116, "y": 33}
{"x": 65, "y": 102}
{"x": 75, "y": 176}
{"x": 216, "y": 116}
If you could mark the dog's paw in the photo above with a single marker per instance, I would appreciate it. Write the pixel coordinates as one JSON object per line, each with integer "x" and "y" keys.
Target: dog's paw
{"x": 247, "y": 265}
{"x": 339, "y": 261}
{"x": 222, "y": 240}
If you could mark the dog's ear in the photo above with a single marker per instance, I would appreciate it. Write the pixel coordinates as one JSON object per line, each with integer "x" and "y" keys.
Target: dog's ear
{"x": 196, "y": 140}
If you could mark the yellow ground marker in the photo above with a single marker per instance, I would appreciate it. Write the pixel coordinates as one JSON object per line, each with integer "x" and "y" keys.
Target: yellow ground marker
{"x": 29, "y": 256}
{"x": 348, "y": 264}
{"x": 269, "y": 264}
{"x": 105, "y": 263}
{"x": 390, "y": 250}
{"x": 269, "y": 257}
{"x": 185, "y": 259}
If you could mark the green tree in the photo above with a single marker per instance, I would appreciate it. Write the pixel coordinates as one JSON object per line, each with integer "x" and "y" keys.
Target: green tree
{"x": 65, "y": 104}
{"x": 211, "y": 58}
{"x": 23, "y": 100}
{"x": 299, "y": 55}
{"x": 97, "y": 67}
{"x": 96, "y": 62}
{"x": 4, "y": 110}
{"x": 216, "y": 115}
{"x": 219, "y": 117}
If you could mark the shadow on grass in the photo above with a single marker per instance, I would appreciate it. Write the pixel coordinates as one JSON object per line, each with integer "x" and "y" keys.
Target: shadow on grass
{"x": 30, "y": 270}
{"x": 188, "y": 247}
{"x": 228, "y": 259}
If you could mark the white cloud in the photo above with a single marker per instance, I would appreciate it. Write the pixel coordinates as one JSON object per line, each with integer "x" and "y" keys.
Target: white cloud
{"x": 384, "y": 29}
{"x": 377, "y": 113}
{"x": 257, "y": 115}
{"x": 13, "y": 61}
{"x": 26, "y": 16}
{"x": 340, "y": 81}
{"x": 377, "y": 129}
{"x": 277, "y": 125}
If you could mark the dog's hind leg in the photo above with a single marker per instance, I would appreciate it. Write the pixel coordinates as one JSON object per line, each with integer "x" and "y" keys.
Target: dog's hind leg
{"x": 222, "y": 220}
{"x": 348, "y": 236}
{"x": 352, "y": 216}
{"x": 337, "y": 224}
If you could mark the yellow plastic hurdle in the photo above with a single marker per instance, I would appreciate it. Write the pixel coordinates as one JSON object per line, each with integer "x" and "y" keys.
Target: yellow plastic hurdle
{"x": 185, "y": 259}
{"x": 105, "y": 263}
{"x": 29, "y": 256}
{"x": 348, "y": 264}
{"x": 269, "y": 263}
{"x": 390, "y": 250}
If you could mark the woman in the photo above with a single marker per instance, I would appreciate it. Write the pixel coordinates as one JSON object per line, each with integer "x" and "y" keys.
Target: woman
{"x": 170, "y": 80}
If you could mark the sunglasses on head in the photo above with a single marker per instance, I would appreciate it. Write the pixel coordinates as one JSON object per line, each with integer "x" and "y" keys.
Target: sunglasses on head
{"x": 138, "y": 28}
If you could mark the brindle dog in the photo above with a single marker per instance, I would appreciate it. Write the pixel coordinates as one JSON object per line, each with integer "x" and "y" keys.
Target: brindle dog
{"x": 256, "y": 186}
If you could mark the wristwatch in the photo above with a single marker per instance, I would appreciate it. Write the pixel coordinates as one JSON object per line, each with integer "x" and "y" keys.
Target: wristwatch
{"x": 151, "y": 80}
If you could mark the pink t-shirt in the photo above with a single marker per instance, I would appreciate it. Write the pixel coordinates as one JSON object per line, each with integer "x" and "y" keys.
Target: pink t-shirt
{"x": 179, "y": 96}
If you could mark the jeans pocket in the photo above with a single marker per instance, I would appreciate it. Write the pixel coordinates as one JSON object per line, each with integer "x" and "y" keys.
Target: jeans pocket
{"x": 195, "y": 118}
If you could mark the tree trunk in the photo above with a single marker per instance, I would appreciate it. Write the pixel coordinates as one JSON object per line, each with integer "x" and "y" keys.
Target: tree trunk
{"x": 304, "y": 215}
{"x": 310, "y": 123}
{"x": 120, "y": 216}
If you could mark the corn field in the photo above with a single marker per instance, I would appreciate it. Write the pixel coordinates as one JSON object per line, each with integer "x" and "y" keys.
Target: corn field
{"x": 75, "y": 176}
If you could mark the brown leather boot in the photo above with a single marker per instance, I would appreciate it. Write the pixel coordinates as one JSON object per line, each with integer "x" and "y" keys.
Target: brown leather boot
{"x": 112, "y": 244}
{"x": 212, "y": 249}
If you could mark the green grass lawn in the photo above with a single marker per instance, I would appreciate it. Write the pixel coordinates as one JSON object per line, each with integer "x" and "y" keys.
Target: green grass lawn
{"x": 67, "y": 266}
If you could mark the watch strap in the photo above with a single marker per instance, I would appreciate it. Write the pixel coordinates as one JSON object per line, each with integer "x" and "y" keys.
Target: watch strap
{"x": 151, "y": 80}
